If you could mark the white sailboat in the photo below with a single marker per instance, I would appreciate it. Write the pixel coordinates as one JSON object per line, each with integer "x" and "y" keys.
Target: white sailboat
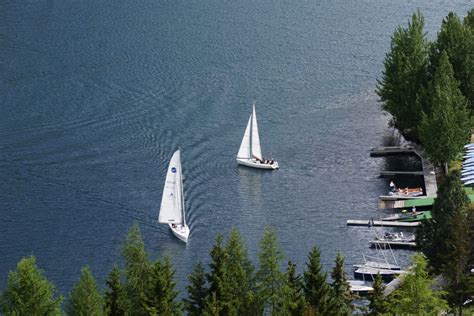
{"x": 250, "y": 152}
{"x": 172, "y": 210}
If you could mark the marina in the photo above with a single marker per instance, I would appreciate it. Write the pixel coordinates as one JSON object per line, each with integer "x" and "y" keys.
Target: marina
{"x": 356, "y": 222}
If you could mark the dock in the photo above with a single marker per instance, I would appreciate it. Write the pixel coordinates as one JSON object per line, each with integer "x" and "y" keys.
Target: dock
{"x": 408, "y": 204}
{"x": 392, "y": 244}
{"x": 356, "y": 222}
{"x": 392, "y": 150}
{"x": 385, "y": 174}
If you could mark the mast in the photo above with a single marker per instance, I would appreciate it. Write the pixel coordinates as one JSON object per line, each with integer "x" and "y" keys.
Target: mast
{"x": 250, "y": 134}
{"x": 182, "y": 193}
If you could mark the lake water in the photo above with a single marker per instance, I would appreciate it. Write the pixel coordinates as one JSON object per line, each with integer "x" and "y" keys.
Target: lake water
{"x": 95, "y": 96}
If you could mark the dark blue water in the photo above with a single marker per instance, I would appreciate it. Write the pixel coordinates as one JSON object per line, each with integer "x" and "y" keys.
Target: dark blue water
{"x": 95, "y": 96}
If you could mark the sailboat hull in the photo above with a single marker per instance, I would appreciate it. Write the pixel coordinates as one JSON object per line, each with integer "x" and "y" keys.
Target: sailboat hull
{"x": 253, "y": 163}
{"x": 180, "y": 231}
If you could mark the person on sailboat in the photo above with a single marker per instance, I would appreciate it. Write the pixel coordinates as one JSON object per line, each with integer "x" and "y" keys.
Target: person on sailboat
{"x": 393, "y": 188}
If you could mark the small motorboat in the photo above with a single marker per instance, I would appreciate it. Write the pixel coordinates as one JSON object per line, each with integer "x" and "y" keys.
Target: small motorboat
{"x": 394, "y": 240}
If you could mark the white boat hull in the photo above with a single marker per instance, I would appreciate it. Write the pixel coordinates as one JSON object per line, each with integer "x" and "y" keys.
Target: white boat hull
{"x": 254, "y": 163}
{"x": 180, "y": 231}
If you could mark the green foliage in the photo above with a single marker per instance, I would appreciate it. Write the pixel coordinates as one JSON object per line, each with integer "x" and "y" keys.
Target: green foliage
{"x": 445, "y": 129}
{"x": 116, "y": 300}
{"x": 197, "y": 291}
{"x": 414, "y": 295}
{"x": 137, "y": 270}
{"x": 469, "y": 20}
{"x": 434, "y": 236}
{"x": 457, "y": 40}
{"x": 28, "y": 292}
{"x": 294, "y": 303}
{"x": 319, "y": 294}
{"x": 405, "y": 73}
{"x": 160, "y": 297}
{"x": 341, "y": 287}
{"x": 84, "y": 298}
{"x": 377, "y": 304}
{"x": 270, "y": 279}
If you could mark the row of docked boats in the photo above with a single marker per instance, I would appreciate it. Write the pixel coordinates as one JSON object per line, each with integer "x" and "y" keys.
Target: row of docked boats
{"x": 467, "y": 172}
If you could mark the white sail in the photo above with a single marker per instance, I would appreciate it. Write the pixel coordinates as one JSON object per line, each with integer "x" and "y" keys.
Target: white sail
{"x": 256, "y": 150}
{"x": 172, "y": 205}
{"x": 244, "y": 150}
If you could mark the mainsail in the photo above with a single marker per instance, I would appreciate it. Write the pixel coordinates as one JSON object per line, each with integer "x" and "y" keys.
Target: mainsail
{"x": 256, "y": 150}
{"x": 172, "y": 203}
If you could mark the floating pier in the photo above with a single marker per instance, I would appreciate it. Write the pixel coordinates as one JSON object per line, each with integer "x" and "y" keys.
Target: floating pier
{"x": 385, "y": 174}
{"x": 392, "y": 244}
{"x": 357, "y": 222}
{"x": 408, "y": 204}
{"x": 392, "y": 150}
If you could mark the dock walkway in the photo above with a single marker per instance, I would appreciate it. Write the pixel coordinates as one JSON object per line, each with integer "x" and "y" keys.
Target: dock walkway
{"x": 357, "y": 222}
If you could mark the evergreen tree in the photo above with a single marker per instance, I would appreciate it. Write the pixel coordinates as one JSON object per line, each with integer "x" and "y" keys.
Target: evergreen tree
{"x": 469, "y": 20}
{"x": 196, "y": 301}
{"x": 435, "y": 236}
{"x": 457, "y": 40}
{"x": 414, "y": 296}
{"x": 377, "y": 304}
{"x": 319, "y": 294}
{"x": 138, "y": 270}
{"x": 405, "y": 73}
{"x": 341, "y": 287}
{"x": 84, "y": 298}
{"x": 28, "y": 292}
{"x": 270, "y": 279}
{"x": 116, "y": 300}
{"x": 444, "y": 130}
{"x": 219, "y": 293}
{"x": 160, "y": 298}
{"x": 239, "y": 275}
{"x": 294, "y": 304}
{"x": 213, "y": 307}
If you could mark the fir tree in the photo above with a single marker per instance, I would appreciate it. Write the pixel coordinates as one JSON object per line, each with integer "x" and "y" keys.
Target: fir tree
{"x": 160, "y": 299}
{"x": 469, "y": 20}
{"x": 319, "y": 294}
{"x": 406, "y": 68}
{"x": 444, "y": 130}
{"x": 294, "y": 298}
{"x": 270, "y": 279}
{"x": 84, "y": 298}
{"x": 28, "y": 292}
{"x": 197, "y": 291}
{"x": 116, "y": 300}
{"x": 414, "y": 296}
{"x": 377, "y": 304}
{"x": 341, "y": 287}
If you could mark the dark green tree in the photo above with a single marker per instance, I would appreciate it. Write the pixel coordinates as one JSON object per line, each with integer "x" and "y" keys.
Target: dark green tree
{"x": 219, "y": 293}
{"x": 28, "y": 292}
{"x": 377, "y": 304}
{"x": 270, "y": 278}
{"x": 341, "y": 287}
{"x": 444, "y": 130}
{"x": 294, "y": 304}
{"x": 433, "y": 237}
{"x": 197, "y": 291}
{"x": 84, "y": 298}
{"x": 469, "y": 20}
{"x": 405, "y": 73}
{"x": 138, "y": 270}
{"x": 115, "y": 297}
{"x": 457, "y": 40}
{"x": 160, "y": 298}
{"x": 415, "y": 296}
{"x": 239, "y": 275}
{"x": 319, "y": 294}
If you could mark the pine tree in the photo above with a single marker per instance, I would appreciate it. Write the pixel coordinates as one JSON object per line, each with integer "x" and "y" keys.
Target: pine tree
{"x": 138, "y": 270}
{"x": 341, "y": 287}
{"x": 160, "y": 298}
{"x": 270, "y": 279}
{"x": 116, "y": 300}
{"x": 219, "y": 292}
{"x": 414, "y": 296}
{"x": 84, "y": 298}
{"x": 319, "y": 294}
{"x": 239, "y": 275}
{"x": 469, "y": 20}
{"x": 457, "y": 40}
{"x": 406, "y": 69}
{"x": 294, "y": 304}
{"x": 377, "y": 304}
{"x": 196, "y": 301}
{"x": 444, "y": 130}
{"x": 434, "y": 237}
{"x": 28, "y": 292}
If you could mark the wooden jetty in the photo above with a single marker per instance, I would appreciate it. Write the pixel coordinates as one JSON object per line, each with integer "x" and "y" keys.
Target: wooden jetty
{"x": 392, "y": 150}
{"x": 385, "y": 174}
{"x": 392, "y": 244}
{"x": 408, "y": 204}
{"x": 356, "y": 222}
